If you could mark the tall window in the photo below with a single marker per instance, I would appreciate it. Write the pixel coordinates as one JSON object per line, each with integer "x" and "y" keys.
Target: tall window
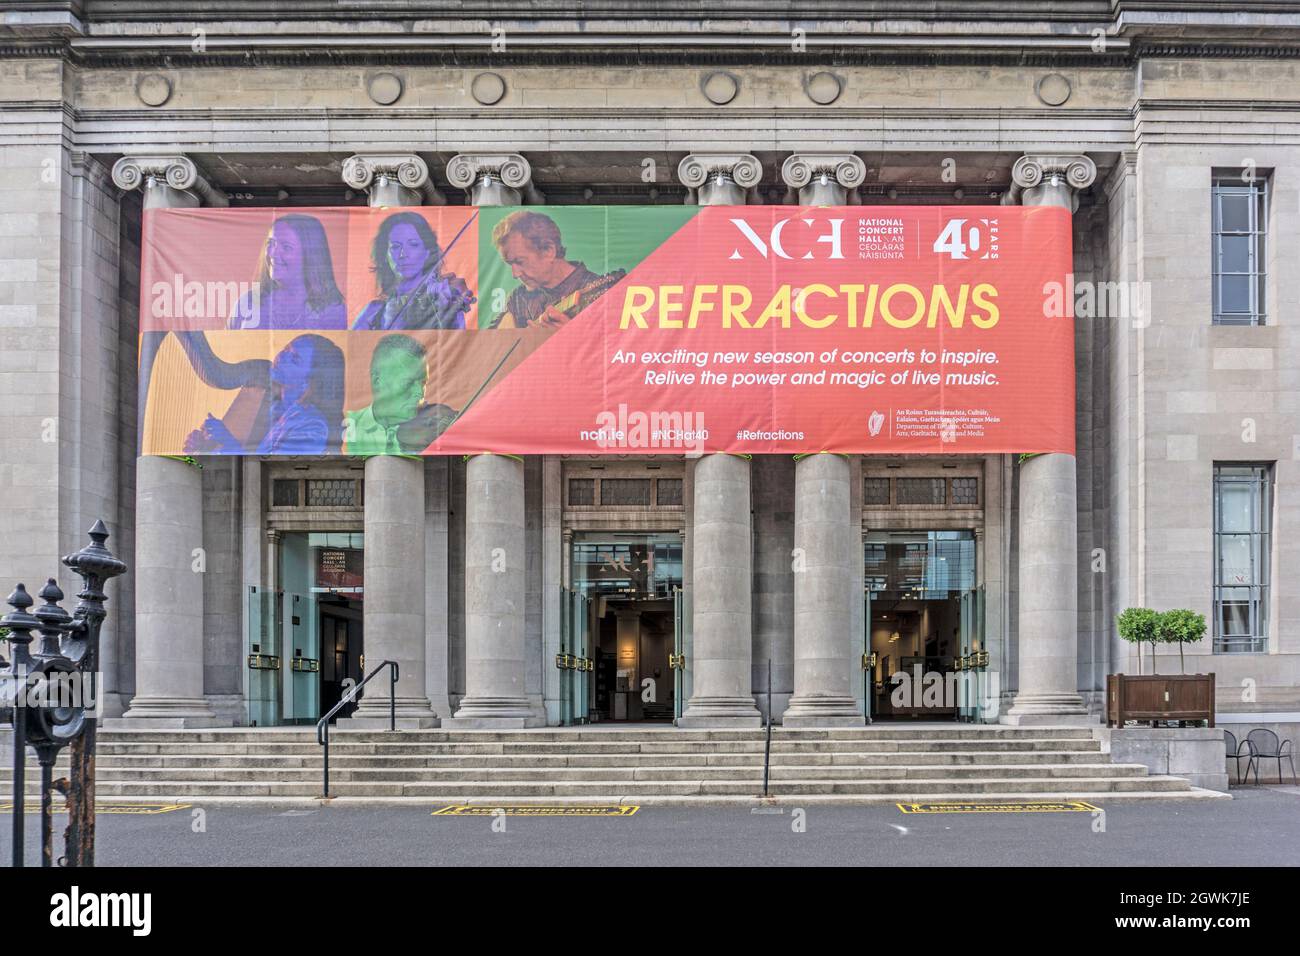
{"x": 1239, "y": 227}
{"x": 1242, "y": 519}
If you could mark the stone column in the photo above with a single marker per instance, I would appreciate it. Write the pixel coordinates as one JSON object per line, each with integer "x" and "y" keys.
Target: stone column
{"x": 823, "y": 179}
{"x": 826, "y": 552}
{"x": 495, "y": 687}
{"x": 393, "y": 619}
{"x": 722, "y": 610}
{"x": 722, "y": 558}
{"x": 1048, "y": 555}
{"x": 496, "y": 684}
{"x": 169, "y": 559}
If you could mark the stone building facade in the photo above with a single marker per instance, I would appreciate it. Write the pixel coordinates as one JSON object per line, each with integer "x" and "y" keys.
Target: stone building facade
{"x": 1158, "y": 124}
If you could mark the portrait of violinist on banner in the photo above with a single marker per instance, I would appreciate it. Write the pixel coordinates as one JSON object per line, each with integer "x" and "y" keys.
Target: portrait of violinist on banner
{"x": 552, "y": 288}
{"x": 415, "y": 290}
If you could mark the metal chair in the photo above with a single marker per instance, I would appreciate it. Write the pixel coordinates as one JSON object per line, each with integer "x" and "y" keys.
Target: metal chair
{"x": 1264, "y": 745}
{"x": 1236, "y": 752}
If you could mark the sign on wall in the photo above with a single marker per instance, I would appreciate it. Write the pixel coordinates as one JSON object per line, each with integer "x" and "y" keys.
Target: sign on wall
{"x": 581, "y": 329}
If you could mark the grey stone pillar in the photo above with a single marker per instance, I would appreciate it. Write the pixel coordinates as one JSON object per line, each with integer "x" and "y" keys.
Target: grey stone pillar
{"x": 823, "y": 179}
{"x": 1048, "y": 554}
{"x": 393, "y": 621}
{"x": 722, "y": 571}
{"x": 495, "y": 684}
{"x": 772, "y": 481}
{"x": 496, "y": 540}
{"x": 169, "y": 557}
{"x": 826, "y": 551}
{"x": 393, "y": 610}
{"x": 722, "y": 611}
{"x": 168, "y": 598}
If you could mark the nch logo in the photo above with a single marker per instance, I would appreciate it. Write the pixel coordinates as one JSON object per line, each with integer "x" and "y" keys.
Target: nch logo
{"x": 776, "y": 239}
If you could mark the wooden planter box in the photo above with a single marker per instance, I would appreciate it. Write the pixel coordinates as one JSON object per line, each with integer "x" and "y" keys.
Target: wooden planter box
{"x": 1159, "y": 697}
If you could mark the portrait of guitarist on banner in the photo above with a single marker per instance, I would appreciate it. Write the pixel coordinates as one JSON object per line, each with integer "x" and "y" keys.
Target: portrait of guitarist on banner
{"x": 552, "y": 288}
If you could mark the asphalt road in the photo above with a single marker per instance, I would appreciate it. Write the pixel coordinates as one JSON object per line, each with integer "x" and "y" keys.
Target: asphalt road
{"x": 1261, "y": 827}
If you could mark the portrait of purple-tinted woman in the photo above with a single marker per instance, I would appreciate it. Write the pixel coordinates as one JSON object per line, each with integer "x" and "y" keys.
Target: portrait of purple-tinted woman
{"x": 306, "y": 406}
{"x": 295, "y": 287}
{"x": 414, "y": 291}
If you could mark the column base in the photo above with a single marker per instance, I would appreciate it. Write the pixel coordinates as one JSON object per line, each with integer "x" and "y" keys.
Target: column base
{"x": 720, "y": 713}
{"x": 381, "y": 723}
{"x": 492, "y": 723}
{"x": 166, "y": 713}
{"x": 1048, "y": 710}
{"x": 494, "y": 713}
{"x": 413, "y": 713}
{"x": 822, "y": 712}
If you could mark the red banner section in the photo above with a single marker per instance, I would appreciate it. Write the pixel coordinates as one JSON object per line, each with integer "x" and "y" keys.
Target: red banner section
{"x": 607, "y": 329}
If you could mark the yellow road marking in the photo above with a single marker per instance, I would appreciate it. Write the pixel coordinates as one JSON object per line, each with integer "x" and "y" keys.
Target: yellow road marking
{"x": 136, "y": 808}
{"x": 539, "y": 811}
{"x": 1050, "y": 806}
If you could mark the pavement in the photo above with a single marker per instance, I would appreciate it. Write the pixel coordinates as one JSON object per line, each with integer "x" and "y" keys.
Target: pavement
{"x": 1260, "y": 827}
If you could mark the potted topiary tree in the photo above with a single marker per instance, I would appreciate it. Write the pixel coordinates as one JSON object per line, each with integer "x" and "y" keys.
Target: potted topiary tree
{"x": 1185, "y": 697}
{"x": 1136, "y": 625}
{"x": 1180, "y": 626}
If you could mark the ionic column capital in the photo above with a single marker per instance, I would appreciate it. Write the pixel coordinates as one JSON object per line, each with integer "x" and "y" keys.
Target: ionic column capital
{"x": 391, "y": 179}
{"x": 177, "y": 173}
{"x": 823, "y": 179}
{"x": 1039, "y": 179}
{"x": 719, "y": 179}
{"x": 492, "y": 179}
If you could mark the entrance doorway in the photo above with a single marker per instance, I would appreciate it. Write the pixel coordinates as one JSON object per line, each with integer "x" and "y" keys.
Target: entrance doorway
{"x": 924, "y": 635}
{"x": 341, "y": 652}
{"x": 624, "y": 620}
{"x": 634, "y": 647}
{"x": 304, "y": 638}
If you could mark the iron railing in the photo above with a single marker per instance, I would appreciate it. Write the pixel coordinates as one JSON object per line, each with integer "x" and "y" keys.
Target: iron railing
{"x": 323, "y": 725}
{"x": 767, "y": 746}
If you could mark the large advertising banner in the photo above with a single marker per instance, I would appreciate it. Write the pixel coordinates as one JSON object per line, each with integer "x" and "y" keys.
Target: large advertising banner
{"x": 594, "y": 329}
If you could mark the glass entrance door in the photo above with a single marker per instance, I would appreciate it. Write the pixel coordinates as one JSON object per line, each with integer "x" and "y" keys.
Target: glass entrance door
{"x": 678, "y": 661}
{"x": 973, "y": 659}
{"x": 575, "y": 659}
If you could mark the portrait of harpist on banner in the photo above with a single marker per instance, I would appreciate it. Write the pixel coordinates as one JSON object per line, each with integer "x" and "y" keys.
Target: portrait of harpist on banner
{"x": 292, "y": 405}
{"x": 552, "y": 288}
{"x": 294, "y": 287}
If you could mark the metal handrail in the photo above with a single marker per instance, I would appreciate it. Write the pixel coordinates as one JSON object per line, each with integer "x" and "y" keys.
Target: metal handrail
{"x": 323, "y": 725}
{"x": 767, "y": 748}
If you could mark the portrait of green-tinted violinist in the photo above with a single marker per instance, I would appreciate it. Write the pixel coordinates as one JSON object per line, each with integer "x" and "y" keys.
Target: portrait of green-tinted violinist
{"x": 415, "y": 289}
{"x": 397, "y": 421}
{"x": 551, "y": 288}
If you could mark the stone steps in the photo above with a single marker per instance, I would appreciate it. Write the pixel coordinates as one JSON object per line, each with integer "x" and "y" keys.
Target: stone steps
{"x": 580, "y": 735}
{"x": 659, "y": 764}
{"x": 128, "y": 761}
{"x": 188, "y": 790}
{"x": 598, "y": 774}
{"x": 396, "y": 748}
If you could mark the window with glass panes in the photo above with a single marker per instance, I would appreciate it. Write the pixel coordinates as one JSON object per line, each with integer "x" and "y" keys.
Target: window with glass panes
{"x": 1242, "y": 519}
{"x": 1239, "y": 215}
